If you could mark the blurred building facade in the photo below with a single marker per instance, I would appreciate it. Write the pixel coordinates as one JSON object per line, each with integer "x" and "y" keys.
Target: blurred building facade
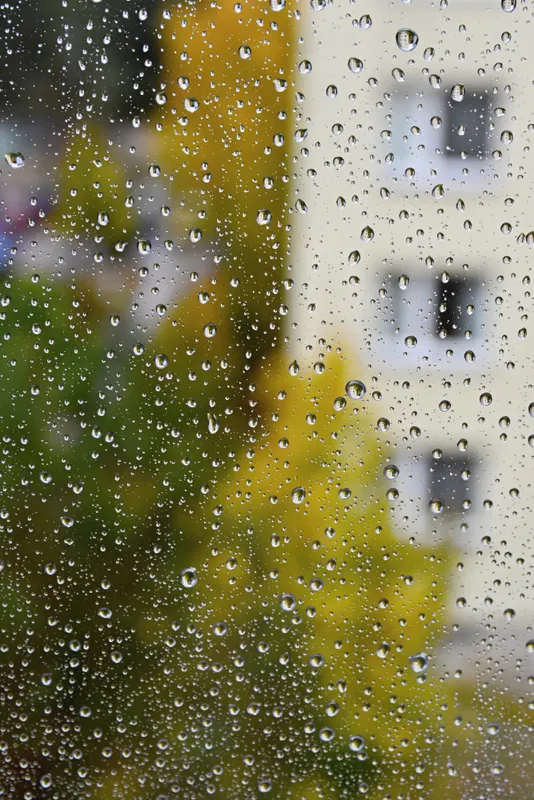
{"x": 413, "y": 145}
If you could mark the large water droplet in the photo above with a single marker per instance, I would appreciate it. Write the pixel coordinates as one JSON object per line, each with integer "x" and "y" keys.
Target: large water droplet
{"x": 355, "y": 65}
{"x": 355, "y": 390}
{"x": 406, "y": 39}
{"x": 419, "y": 662}
{"x": 298, "y": 495}
{"x": 436, "y": 506}
{"x": 383, "y": 650}
{"x": 188, "y": 577}
{"x": 458, "y": 92}
{"x": 264, "y": 216}
{"x": 15, "y": 160}
{"x": 356, "y": 744}
{"x": 287, "y": 602}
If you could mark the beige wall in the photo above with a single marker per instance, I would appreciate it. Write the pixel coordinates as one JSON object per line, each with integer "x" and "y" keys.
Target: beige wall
{"x": 376, "y": 111}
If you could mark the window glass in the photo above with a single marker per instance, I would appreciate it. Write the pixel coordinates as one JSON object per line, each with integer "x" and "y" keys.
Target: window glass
{"x": 266, "y": 399}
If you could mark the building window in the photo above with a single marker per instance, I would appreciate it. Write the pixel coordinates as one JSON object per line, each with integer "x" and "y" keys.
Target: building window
{"x": 455, "y": 306}
{"x": 467, "y": 125}
{"x": 448, "y": 482}
{"x": 432, "y": 133}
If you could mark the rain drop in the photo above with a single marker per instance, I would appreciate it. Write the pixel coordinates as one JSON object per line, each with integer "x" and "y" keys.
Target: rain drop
{"x": 355, "y": 390}
{"x": 406, "y": 39}
{"x": 298, "y": 495}
{"x": 15, "y": 160}
{"x": 419, "y": 662}
{"x": 188, "y": 577}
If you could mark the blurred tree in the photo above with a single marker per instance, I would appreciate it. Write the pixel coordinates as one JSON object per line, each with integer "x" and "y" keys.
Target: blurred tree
{"x": 226, "y": 119}
{"x": 124, "y": 475}
{"x": 92, "y": 183}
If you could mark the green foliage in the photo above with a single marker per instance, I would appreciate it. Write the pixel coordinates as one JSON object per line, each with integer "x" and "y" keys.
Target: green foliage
{"x": 122, "y": 470}
{"x": 93, "y": 191}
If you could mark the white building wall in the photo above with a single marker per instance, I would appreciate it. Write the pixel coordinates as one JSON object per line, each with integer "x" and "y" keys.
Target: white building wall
{"x": 435, "y": 217}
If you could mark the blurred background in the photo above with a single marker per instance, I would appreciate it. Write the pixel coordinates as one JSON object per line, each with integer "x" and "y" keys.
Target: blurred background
{"x": 266, "y": 400}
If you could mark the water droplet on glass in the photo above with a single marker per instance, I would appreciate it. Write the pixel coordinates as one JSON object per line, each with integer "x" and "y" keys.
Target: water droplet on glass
{"x": 383, "y": 650}
{"x": 486, "y": 399}
{"x": 210, "y": 330}
{"x": 398, "y": 74}
{"x": 220, "y": 629}
{"x": 294, "y": 368}
{"x": 355, "y": 65}
{"x": 508, "y": 5}
{"x": 367, "y": 234}
{"x": 436, "y": 506}
{"x": 356, "y": 744}
{"x": 419, "y": 662}
{"x": 244, "y": 52}
{"x": 391, "y": 472}
{"x": 355, "y": 390}
{"x": 406, "y": 39}
{"x": 287, "y": 602}
{"x": 213, "y": 424}
{"x": 458, "y": 92}
{"x": 298, "y": 495}
{"x": 188, "y": 577}
{"x": 326, "y": 734}
{"x": 15, "y": 160}
{"x": 161, "y": 361}
{"x": 191, "y": 104}
{"x": 264, "y": 216}
{"x": 144, "y": 246}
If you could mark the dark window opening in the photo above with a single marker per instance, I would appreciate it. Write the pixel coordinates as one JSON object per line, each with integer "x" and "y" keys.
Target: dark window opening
{"x": 453, "y": 300}
{"x": 449, "y": 478}
{"x": 466, "y": 128}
